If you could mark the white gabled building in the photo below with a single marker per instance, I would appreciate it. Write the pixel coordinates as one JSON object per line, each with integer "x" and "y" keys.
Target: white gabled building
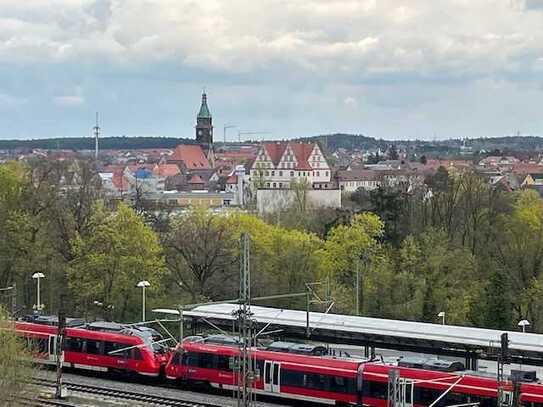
{"x": 278, "y": 164}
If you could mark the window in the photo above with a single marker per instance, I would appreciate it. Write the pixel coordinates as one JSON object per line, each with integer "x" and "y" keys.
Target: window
{"x": 74, "y": 344}
{"x": 176, "y": 359}
{"x": 267, "y": 173}
{"x": 318, "y": 174}
{"x": 292, "y": 173}
{"x": 93, "y": 347}
{"x": 273, "y": 173}
{"x": 112, "y": 349}
{"x": 274, "y": 185}
{"x": 280, "y": 185}
{"x": 377, "y": 390}
{"x": 326, "y": 173}
{"x": 267, "y": 184}
{"x": 280, "y": 173}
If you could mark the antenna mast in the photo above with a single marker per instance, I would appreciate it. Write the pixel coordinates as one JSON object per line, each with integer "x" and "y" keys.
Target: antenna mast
{"x": 96, "y": 130}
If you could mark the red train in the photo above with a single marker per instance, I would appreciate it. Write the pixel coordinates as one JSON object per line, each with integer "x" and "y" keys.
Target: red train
{"x": 99, "y": 347}
{"x": 337, "y": 381}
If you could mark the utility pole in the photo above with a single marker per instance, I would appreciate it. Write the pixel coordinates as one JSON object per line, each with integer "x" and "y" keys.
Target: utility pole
{"x": 14, "y": 300}
{"x": 504, "y": 397}
{"x": 60, "y": 393}
{"x": 357, "y": 285}
{"x": 96, "y": 130}
{"x": 246, "y": 373}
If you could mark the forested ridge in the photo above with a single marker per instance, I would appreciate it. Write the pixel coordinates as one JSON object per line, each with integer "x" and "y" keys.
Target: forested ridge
{"x": 457, "y": 245}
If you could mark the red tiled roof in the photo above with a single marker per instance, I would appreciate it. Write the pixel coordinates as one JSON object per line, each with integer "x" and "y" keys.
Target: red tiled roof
{"x": 232, "y": 179}
{"x": 301, "y": 151}
{"x": 192, "y": 156}
{"x": 166, "y": 170}
{"x": 527, "y": 168}
{"x": 275, "y": 151}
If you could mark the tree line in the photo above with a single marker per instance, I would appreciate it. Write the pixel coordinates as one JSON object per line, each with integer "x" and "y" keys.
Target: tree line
{"x": 457, "y": 245}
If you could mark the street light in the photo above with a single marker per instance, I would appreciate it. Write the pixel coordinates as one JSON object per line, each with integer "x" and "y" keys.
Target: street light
{"x": 143, "y": 284}
{"x": 38, "y": 276}
{"x": 524, "y": 323}
{"x": 442, "y": 316}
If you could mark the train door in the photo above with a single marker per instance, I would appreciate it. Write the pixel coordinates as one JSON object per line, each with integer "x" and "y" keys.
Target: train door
{"x": 272, "y": 374}
{"x": 406, "y": 395}
{"x": 52, "y": 348}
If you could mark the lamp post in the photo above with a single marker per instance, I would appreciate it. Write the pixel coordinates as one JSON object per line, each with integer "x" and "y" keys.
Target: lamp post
{"x": 524, "y": 323}
{"x": 442, "y": 316}
{"x": 38, "y": 276}
{"x": 143, "y": 284}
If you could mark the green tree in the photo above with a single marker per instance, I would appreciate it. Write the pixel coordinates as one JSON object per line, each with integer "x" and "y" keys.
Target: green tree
{"x": 201, "y": 252}
{"x": 348, "y": 248}
{"x": 498, "y": 301}
{"x": 15, "y": 370}
{"x": 119, "y": 251}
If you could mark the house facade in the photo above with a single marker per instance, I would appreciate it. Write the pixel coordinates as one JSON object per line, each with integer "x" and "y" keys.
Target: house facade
{"x": 277, "y": 165}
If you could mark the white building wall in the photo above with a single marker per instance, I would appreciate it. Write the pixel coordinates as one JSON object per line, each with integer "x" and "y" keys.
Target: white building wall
{"x": 271, "y": 200}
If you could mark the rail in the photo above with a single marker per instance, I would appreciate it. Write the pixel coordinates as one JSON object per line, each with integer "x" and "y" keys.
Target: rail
{"x": 125, "y": 395}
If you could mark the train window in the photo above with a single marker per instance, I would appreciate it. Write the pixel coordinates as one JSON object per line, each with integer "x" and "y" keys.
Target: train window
{"x": 340, "y": 384}
{"x": 223, "y": 362}
{"x": 276, "y": 375}
{"x": 93, "y": 347}
{"x": 267, "y": 373}
{"x": 176, "y": 359}
{"x": 74, "y": 344}
{"x": 315, "y": 381}
{"x": 190, "y": 359}
{"x": 117, "y": 350}
{"x": 206, "y": 361}
{"x": 136, "y": 354}
{"x": 452, "y": 398}
{"x": 423, "y": 395}
{"x": 409, "y": 393}
{"x": 375, "y": 390}
{"x": 291, "y": 378}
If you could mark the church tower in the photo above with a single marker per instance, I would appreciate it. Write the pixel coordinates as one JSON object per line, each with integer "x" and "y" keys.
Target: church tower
{"x": 204, "y": 124}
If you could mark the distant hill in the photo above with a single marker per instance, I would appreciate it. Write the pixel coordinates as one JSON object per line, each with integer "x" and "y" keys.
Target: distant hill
{"x": 87, "y": 143}
{"x": 333, "y": 142}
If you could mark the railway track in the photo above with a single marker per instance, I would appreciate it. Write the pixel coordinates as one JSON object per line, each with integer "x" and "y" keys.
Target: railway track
{"x": 122, "y": 395}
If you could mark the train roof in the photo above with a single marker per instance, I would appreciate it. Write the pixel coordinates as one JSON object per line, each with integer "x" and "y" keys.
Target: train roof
{"x": 52, "y": 320}
{"x": 347, "y": 364}
{"x": 80, "y": 332}
{"x": 299, "y": 348}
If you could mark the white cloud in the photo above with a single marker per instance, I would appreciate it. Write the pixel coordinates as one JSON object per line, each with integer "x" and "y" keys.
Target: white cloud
{"x": 69, "y": 101}
{"x": 345, "y": 37}
{"x": 350, "y": 102}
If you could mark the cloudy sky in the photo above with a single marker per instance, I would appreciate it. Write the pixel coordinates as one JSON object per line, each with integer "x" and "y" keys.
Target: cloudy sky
{"x": 386, "y": 68}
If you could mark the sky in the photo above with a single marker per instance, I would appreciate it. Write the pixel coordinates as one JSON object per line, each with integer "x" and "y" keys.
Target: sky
{"x": 393, "y": 69}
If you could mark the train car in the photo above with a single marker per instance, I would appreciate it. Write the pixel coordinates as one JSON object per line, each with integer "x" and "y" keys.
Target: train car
{"x": 96, "y": 349}
{"x": 339, "y": 381}
{"x": 311, "y": 378}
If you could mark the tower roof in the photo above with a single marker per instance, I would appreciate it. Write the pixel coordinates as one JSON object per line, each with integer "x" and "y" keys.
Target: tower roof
{"x": 204, "y": 110}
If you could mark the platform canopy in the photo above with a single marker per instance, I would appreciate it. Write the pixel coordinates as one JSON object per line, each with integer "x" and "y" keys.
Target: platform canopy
{"x": 384, "y": 333}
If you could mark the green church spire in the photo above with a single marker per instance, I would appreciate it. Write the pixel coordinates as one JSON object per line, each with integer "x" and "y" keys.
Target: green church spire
{"x": 204, "y": 110}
